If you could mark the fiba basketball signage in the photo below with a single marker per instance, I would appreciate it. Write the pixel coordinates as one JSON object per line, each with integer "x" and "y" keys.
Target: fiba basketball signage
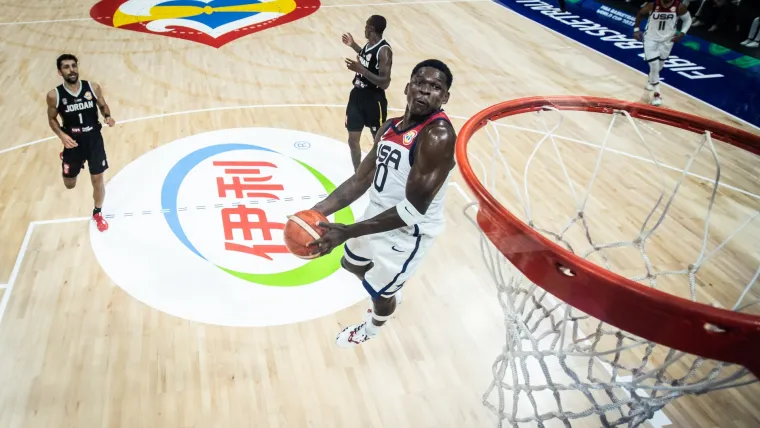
{"x": 198, "y": 230}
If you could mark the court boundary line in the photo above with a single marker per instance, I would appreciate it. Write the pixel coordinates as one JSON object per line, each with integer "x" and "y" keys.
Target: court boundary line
{"x": 22, "y": 254}
{"x": 401, "y": 3}
{"x": 502, "y": 6}
{"x": 258, "y": 106}
{"x": 33, "y": 224}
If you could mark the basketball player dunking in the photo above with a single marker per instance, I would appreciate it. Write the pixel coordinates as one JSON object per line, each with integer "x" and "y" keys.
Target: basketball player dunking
{"x": 367, "y": 105}
{"x": 406, "y": 174}
{"x": 659, "y": 36}
{"x": 77, "y": 102}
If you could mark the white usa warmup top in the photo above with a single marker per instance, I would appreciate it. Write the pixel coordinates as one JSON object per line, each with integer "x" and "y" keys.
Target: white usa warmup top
{"x": 661, "y": 26}
{"x": 395, "y": 157}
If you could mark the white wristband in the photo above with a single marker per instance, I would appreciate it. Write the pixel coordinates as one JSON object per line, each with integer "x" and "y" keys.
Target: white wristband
{"x": 408, "y": 213}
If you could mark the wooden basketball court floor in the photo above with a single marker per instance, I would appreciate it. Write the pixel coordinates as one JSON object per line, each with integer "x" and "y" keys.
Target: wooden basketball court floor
{"x": 77, "y": 351}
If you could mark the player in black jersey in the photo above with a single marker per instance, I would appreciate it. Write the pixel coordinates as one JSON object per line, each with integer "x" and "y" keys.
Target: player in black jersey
{"x": 77, "y": 102}
{"x": 367, "y": 105}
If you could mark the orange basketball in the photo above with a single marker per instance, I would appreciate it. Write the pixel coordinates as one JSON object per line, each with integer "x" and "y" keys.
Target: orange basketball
{"x": 301, "y": 229}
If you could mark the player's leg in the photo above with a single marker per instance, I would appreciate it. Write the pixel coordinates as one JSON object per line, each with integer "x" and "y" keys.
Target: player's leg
{"x": 72, "y": 163}
{"x": 652, "y": 57}
{"x": 663, "y": 50}
{"x": 396, "y": 257}
{"x": 98, "y": 164}
{"x": 357, "y": 257}
{"x": 354, "y": 126}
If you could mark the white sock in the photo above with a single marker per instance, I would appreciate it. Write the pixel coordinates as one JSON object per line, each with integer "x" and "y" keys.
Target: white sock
{"x": 654, "y": 73}
{"x": 373, "y": 329}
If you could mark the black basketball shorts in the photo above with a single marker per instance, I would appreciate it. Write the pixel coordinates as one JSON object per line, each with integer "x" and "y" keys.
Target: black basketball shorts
{"x": 90, "y": 149}
{"x": 366, "y": 107}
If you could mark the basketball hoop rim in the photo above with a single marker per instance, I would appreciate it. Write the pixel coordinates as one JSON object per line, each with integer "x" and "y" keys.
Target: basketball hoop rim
{"x": 616, "y": 300}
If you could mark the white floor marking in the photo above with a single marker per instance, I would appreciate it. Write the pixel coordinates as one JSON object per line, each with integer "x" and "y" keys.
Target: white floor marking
{"x": 258, "y": 106}
{"x": 401, "y": 3}
{"x": 22, "y": 253}
{"x": 47, "y": 21}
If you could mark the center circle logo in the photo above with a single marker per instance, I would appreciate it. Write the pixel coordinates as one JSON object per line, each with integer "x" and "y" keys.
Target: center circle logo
{"x": 197, "y": 228}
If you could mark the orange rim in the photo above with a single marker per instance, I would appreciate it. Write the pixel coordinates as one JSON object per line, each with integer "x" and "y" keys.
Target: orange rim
{"x": 669, "y": 320}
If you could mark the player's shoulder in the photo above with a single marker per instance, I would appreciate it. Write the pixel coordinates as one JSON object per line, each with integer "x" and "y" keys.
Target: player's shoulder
{"x": 439, "y": 130}
{"x": 52, "y": 95}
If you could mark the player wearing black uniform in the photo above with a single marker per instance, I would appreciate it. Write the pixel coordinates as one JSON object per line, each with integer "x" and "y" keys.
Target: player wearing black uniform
{"x": 367, "y": 105}
{"x": 77, "y": 102}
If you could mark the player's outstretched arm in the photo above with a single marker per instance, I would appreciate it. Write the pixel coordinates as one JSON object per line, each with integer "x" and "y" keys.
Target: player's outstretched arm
{"x": 434, "y": 159}
{"x": 355, "y": 186}
{"x": 102, "y": 105}
{"x": 643, "y": 13}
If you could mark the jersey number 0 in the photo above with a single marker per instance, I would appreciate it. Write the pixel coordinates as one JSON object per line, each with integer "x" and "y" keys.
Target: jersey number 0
{"x": 385, "y": 155}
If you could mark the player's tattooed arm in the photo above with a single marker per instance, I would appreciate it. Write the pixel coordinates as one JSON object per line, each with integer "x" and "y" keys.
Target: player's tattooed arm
{"x": 356, "y": 185}
{"x": 52, "y": 114}
{"x": 102, "y": 105}
{"x": 434, "y": 159}
{"x": 643, "y": 13}
{"x": 385, "y": 63}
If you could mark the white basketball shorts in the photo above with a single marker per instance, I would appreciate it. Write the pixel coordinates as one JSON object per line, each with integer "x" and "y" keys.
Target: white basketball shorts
{"x": 396, "y": 255}
{"x": 654, "y": 49}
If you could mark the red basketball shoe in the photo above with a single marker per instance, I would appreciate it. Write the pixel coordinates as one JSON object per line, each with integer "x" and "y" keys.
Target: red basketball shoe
{"x": 100, "y": 222}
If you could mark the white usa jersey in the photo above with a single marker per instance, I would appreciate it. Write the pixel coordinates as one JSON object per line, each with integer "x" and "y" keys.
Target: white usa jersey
{"x": 661, "y": 26}
{"x": 395, "y": 157}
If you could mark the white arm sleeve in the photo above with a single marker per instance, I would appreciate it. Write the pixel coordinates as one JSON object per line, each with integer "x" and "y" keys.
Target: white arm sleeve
{"x": 686, "y": 18}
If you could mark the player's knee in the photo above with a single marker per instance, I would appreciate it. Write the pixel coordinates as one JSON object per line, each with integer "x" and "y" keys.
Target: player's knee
{"x": 359, "y": 271}
{"x": 384, "y": 305}
{"x": 97, "y": 180}
{"x": 354, "y": 138}
{"x": 70, "y": 183}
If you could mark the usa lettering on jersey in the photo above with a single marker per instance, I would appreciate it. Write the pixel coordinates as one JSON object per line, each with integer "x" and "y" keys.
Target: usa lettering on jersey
{"x": 662, "y": 21}
{"x": 387, "y": 156}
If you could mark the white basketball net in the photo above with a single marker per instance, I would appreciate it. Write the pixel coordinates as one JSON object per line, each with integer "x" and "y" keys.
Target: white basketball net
{"x": 558, "y": 364}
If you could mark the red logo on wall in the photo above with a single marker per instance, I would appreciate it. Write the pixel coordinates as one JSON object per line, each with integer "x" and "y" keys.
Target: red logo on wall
{"x": 211, "y": 22}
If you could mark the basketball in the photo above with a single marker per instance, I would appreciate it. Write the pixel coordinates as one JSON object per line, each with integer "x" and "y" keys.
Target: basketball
{"x": 301, "y": 229}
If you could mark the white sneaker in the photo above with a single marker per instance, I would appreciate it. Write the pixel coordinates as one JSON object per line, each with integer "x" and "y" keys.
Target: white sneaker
{"x": 752, "y": 44}
{"x": 744, "y": 43}
{"x": 353, "y": 335}
{"x": 657, "y": 100}
{"x": 650, "y": 87}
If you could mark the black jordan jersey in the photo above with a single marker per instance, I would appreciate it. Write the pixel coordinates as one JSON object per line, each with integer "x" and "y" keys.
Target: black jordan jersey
{"x": 368, "y": 57}
{"x": 79, "y": 111}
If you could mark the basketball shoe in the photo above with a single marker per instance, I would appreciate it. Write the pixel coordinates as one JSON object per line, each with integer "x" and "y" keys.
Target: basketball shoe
{"x": 358, "y": 333}
{"x": 657, "y": 99}
{"x": 100, "y": 222}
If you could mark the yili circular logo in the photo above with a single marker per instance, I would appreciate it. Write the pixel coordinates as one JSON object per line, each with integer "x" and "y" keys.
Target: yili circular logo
{"x": 197, "y": 227}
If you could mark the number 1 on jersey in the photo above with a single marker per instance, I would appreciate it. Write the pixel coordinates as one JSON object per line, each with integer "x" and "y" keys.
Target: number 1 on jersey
{"x": 80, "y": 119}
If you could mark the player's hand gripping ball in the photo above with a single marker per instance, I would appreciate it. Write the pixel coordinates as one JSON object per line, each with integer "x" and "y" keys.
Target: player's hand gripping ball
{"x": 301, "y": 229}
